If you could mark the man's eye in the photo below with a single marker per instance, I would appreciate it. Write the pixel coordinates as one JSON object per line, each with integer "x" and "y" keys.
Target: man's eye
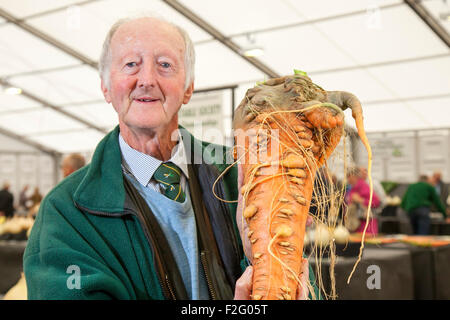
{"x": 165, "y": 64}
{"x": 131, "y": 64}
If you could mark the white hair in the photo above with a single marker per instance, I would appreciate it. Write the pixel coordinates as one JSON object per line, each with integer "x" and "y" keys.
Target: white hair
{"x": 105, "y": 57}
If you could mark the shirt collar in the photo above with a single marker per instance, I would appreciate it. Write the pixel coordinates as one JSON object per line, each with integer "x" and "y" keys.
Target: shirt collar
{"x": 143, "y": 166}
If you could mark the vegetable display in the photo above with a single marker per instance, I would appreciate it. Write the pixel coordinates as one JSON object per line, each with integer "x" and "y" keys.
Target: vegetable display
{"x": 285, "y": 130}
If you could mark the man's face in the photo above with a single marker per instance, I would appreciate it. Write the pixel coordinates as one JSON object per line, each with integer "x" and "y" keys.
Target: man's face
{"x": 436, "y": 177}
{"x": 147, "y": 74}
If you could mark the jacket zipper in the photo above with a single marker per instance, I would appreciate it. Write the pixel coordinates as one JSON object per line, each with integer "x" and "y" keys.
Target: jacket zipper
{"x": 165, "y": 284}
{"x": 170, "y": 288}
{"x": 208, "y": 279}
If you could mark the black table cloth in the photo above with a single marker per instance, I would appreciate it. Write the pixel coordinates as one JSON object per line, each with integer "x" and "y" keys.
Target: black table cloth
{"x": 11, "y": 265}
{"x": 396, "y": 274}
{"x": 441, "y": 228}
{"x": 431, "y": 270}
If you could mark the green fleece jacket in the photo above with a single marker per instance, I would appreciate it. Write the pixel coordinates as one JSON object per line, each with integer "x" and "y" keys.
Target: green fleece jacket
{"x": 74, "y": 253}
{"x": 421, "y": 194}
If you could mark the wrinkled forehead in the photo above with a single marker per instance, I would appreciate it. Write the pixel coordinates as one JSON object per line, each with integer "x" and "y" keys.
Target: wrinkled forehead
{"x": 146, "y": 33}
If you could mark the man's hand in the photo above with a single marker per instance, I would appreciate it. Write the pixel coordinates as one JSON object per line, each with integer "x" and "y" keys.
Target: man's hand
{"x": 303, "y": 291}
{"x": 243, "y": 288}
{"x": 244, "y": 285}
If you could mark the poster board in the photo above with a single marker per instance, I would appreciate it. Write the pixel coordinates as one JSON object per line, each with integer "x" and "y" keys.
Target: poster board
{"x": 434, "y": 154}
{"x": 204, "y": 117}
{"x": 401, "y": 158}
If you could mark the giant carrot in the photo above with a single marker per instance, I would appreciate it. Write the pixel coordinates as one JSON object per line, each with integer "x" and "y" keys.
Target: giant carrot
{"x": 285, "y": 129}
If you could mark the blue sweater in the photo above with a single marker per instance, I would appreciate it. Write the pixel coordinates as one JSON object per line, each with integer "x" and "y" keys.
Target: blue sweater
{"x": 177, "y": 221}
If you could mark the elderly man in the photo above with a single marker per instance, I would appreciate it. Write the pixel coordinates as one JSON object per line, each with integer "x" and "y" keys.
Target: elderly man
{"x": 140, "y": 221}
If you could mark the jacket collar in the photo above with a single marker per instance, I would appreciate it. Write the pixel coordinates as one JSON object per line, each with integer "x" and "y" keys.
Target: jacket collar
{"x": 143, "y": 166}
{"x": 102, "y": 191}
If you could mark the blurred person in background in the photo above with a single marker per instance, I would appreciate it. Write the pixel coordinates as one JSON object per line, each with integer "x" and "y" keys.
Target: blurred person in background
{"x": 6, "y": 201}
{"x": 35, "y": 202}
{"x": 72, "y": 163}
{"x": 377, "y": 189}
{"x": 36, "y": 197}
{"x": 23, "y": 198}
{"x": 357, "y": 198}
{"x": 417, "y": 201}
{"x": 441, "y": 188}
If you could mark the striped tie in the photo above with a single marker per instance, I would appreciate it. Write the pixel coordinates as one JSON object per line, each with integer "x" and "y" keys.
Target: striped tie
{"x": 168, "y": 176}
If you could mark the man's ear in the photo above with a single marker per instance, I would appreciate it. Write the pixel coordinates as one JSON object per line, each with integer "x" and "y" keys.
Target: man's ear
{"x": 105, "y": 91}
{"x": 188, "y": 93}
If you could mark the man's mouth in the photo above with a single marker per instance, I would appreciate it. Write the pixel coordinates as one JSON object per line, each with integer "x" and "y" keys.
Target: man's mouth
{"x": 145, "y": 99}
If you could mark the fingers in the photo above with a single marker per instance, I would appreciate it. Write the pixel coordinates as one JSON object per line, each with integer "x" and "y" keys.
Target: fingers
{"x": 244, "y": 285}
{"x": 303, "y": 291}
{"x": 240, "y": 176}
{"x": 309, "y": 221}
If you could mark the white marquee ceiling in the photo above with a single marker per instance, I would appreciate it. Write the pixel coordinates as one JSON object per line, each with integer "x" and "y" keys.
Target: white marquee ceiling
{"x": 380, "y": 50}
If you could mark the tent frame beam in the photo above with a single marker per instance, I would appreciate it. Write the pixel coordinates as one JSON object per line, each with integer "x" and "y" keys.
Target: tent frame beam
{"x": 309, "y": 22}
{"x": 400, "y": 100}
{"x": 45, "y": 103}
{"x": 216, "y": 34}
{"x": 355, "y": 67}
{"x": 30, "y": 143}
{"x": 58, "y": 9}
{"x": 48, "y": 39}
{"x": 429, "y": 20}
{"x": 381, "y": 64}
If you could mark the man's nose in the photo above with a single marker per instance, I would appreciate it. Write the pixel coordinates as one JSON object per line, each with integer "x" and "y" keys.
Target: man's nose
{"x": 147, "y": 76}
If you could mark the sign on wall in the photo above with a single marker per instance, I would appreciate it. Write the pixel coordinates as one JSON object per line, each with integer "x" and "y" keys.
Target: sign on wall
{"x": 433, "y": 155}
{"x": 203, "y": 117}
{"x": 394, "y": 156}
{"x": 401, "y": 159}
{"x": 406, "y": 155}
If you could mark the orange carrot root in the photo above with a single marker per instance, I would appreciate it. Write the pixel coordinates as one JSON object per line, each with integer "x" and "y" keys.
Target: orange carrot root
{"x": 286, "y": 130}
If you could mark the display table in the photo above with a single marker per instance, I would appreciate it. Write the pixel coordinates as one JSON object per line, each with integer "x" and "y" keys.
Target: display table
{"x": 394, "y": 225}
{"x": 389, "y": 211}
{"x": 440, "y": 228}
{"x": 431, "y": 270}
{"x": 11, "y": 265}
{"x": 396, "y": 271}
